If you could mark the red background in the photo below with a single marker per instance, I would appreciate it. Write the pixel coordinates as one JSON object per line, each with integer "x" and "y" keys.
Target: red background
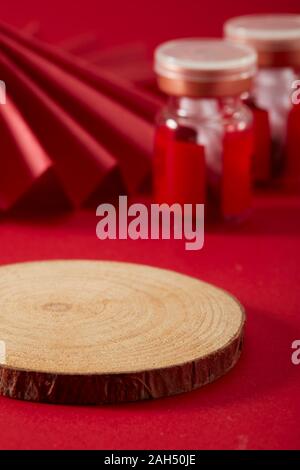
{"x": 116, "y": 22}
{"x": 257, "y": 404}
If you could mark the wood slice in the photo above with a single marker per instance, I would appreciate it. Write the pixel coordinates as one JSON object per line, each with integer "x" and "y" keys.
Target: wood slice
{"x": 93, "y": 332}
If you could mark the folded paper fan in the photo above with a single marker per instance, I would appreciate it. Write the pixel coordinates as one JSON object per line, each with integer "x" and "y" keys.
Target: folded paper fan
{"x": 22, "y": 157}
{"x": 82, "y": 121}
{"x": 102, "y": 79}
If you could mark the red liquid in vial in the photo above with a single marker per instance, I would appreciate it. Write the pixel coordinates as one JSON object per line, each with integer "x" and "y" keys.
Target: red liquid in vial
{"x": 236, "y": 178}
{"x": 272, "y": 157}
{"x": 292, "y": 167}
{"x": 179, "y": 167}
{"x": 261, "y": 166}
{"x": 179, "y": 170}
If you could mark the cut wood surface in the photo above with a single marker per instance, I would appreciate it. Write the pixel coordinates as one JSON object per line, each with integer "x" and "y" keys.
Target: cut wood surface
{"x": 93, "y": 332}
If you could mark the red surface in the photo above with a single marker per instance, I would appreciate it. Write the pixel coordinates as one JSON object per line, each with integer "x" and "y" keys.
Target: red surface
{"x": 257, "y": 404}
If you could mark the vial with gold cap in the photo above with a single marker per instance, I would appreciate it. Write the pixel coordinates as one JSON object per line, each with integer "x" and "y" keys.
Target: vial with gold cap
{"x": 203, "y": 145}
{"x": 276, "y": 39}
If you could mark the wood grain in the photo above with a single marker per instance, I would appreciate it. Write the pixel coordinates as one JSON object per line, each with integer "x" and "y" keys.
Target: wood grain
{"x": 93, "y": 332}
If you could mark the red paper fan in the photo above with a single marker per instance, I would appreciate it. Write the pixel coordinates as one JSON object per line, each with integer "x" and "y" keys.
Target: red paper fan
{"x": 82, "y": 121}
{"x": 22, "y": 157}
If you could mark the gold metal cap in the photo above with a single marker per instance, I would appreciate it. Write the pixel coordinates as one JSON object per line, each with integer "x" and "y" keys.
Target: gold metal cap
{"x": 276, "y": 38}
{"x": 204, "y": 67}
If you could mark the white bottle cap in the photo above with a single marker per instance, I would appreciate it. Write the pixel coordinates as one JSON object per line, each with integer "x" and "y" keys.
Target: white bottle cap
{"x": 276, "y": 38}
{"x": 204, "y": 67}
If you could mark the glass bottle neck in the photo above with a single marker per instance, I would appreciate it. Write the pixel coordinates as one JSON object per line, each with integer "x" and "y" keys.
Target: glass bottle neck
{"x": 204, "y": 108}
{"x": 281, "y": 77}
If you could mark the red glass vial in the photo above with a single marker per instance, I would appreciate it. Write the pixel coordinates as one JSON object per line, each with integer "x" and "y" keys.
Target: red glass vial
{"x": 276, "y": 39}
{"x": 203, "y": 144}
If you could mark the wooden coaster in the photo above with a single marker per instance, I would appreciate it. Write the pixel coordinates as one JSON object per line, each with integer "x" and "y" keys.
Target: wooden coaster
{"x": 92, "y": 332}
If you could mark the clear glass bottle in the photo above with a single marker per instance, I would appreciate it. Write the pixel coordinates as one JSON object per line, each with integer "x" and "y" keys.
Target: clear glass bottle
{"x": 203, "y": 144}
{"x": 276, "y": 39}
